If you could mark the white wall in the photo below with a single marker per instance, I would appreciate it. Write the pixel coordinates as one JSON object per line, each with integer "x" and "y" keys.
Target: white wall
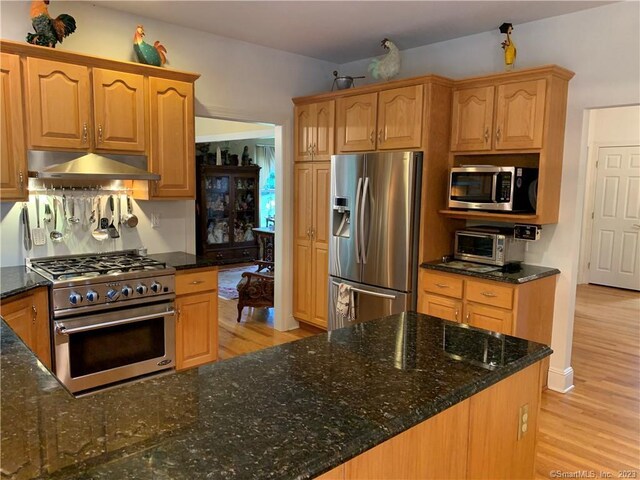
{"x": 602, "y": 46}
{"x": 608, "y": 127}
{"x": 239, "y": 81}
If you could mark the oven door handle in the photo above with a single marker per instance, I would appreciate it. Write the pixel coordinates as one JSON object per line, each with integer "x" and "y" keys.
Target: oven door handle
{"x": 494, "y": 187}
{"x": 60, "y": 328}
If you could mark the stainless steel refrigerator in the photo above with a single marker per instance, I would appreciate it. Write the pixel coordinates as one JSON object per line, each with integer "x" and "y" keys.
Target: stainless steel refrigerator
{"x": 374, "y": 233}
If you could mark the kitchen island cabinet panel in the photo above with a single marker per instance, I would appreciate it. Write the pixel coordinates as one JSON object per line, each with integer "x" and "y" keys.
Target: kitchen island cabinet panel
{"x": 13, "y": 154}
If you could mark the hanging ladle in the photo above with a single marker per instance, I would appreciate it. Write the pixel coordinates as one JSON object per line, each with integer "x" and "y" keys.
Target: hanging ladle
{"x": 55, "y": 235}
{"x": 100, "y": 234}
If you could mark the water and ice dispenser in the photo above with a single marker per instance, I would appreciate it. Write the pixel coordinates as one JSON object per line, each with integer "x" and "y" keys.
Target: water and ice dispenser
{"x": 341, "y": 217}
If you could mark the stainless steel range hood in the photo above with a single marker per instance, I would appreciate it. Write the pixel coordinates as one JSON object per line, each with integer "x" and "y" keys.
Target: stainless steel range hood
{"x": 91, "y": 167}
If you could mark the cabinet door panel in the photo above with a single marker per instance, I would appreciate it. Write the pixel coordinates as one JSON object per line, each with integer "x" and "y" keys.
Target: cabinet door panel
{"x": 441, "y": 307}
{"x": 472, "y": 117}
{"x": 356, "y": 122}
{"x": 172, "y": 138}
{"x": 323, "y": 130}
{"x": 302, "y": 202}
{"x": 13, "y": 155}
{"x": 400, "y": 118}
{"x": 320, "y": 285}
{"x": 321, "y": 194}
{"x": 58, "y": 102}
{"x": 119, "y": 110}
{"x": 520, "y": 115}
{"x": 303, "y": 132}
{"x": 196, "y": 329}
{"x": 302, "y": 294}
{"x": 489, "y": 318}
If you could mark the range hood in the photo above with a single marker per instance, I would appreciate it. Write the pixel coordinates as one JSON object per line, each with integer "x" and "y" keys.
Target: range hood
{"x": 47, "y": 165}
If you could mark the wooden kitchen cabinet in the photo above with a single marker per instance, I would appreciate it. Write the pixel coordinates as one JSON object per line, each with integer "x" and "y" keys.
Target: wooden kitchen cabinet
{"x": 58, "y": 105}
{"x": 441, "y": 307}
{"x": 472, "y": 119}
{"x": 172, "y": 132}
{"x": 196, "y": 317}
{"x": 387, "y": 120}
{"x": 28, "y": 315}
{"x": 119, "y": 111}
{"x": 314, "y": 131}
{"x": 13, "y": 154}
{"x": 311, "y": 242}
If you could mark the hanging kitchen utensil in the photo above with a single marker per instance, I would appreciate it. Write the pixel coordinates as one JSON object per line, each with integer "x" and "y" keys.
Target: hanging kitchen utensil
{"x": 26, "y": 228}
{"x": 100, "y": 233}
{"x": 130, "y": 220}
{"x": 113, "y": 231}
{"x": 72, "y": 210}
{"x": 86, "y": 210}
{"x": 38, "y": 234}
{"x": 47, "y": 211}
{"x": 56, "y": 235}
{"x": 92, "y": 218}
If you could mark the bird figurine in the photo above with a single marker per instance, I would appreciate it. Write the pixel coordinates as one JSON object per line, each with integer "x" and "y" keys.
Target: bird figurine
{"x": 48, "y": 31}
{"x": 508, "y": 46}
{"x": 388, "y": 65}
{"x": 151, "y": 55}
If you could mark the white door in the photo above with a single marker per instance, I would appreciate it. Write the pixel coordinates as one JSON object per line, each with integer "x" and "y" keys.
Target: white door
{"x": 615, "y": 241}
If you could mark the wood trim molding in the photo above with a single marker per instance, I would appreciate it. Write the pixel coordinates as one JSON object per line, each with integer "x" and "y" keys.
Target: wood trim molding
{"x": 28, "y": 50}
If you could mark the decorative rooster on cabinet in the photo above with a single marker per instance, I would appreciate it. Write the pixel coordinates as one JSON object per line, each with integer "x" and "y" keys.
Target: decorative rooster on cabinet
{"x": 49, "y": 31}
{"x": 387, "y": 66}
{"x": 151, "y": 55}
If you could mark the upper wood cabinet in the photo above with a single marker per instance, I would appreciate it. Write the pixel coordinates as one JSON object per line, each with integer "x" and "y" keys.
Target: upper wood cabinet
{"x": 58, "y": 105}
{"x": 314, "y": 131}
{"x": 13, "y": 156}
{"x": 387, "y": 120}
{"x": 172, "y": 132}
{"x": 509, "y": 116}
{"x": 119, "y": 110}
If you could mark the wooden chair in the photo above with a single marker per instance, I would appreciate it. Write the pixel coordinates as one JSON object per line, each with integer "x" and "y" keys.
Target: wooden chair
{"x": 255, "y": 289}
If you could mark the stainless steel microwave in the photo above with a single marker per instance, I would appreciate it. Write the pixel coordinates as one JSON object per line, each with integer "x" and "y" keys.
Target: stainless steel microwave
{"x": 508, "y": 189}
{"x": 490, "y": 245}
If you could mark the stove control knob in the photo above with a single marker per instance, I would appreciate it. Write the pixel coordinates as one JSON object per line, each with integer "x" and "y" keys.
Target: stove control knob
{"x": 113, "y": 294}
{"x": 92, "y": 296}
{"x": 75, "y": 298}
{"x": 156, "y": 287}
{"x": 141, "y": 289}
{"x": 127, "y": 290}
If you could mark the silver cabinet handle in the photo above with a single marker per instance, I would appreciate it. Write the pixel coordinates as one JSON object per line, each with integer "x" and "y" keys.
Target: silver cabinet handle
{"x": 486, "y": 134}
{"x": 442, "y": 285}
{"x": 314, "y": 149}
{"x": 498, "y": 134}
{"x": 380, "y": 136}
{"x": 21, "y": 181}
{"x": 85, "y": 132}
{"x": 197, "y": 282}
{"x": 488, "y": 294}
{"x": 456, "y": 315}
{"x": 467, "y": 318}
{"x": 178, "y": 313}
{"x": 34, "y": 311}
{"x": 99, "y": 133}
{"x": 372, "y": 137}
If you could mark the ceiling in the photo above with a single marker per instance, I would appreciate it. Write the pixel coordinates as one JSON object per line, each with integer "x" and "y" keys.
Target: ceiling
{"x": 343, "y": 31}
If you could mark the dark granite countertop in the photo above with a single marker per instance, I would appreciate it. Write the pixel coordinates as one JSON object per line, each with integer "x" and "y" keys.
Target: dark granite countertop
{"x": 185, "y": 261}
{"x": 288, "y": 412}
{"x": 526, "y": 273}
{"x": 14, "y": 280}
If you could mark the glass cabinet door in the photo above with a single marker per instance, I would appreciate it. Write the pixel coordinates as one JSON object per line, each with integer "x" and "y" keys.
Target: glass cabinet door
{"x": 216, "y": 197}
{"x": 246, "y": 201}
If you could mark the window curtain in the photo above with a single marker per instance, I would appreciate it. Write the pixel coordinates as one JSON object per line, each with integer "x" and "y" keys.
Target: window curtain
{"x": 266, "y": 159}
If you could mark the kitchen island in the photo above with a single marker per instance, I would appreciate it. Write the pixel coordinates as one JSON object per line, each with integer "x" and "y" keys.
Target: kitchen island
{"x": 293, "y": 411}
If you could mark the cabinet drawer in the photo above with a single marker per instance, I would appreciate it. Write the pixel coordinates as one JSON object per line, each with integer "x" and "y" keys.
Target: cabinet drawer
{"x": 442, "y": 284}
{"x": 489, "y": 294}
{"x": 196, "y": 281}
{"x": 489, "y": 318}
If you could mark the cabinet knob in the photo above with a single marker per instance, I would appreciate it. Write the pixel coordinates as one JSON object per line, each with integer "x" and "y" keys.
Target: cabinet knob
{"x": 21, "y": 181}
{"x": 178, "y": 312}
{"x": 456, "y": 315}
{"x": 380, "y": 136}
{"x": 498, "y": 134}
{"x": 85, "y": 132}
{"x": 486, "y": 134}
{"x": 467, "y": 317}
{"x": 372, "y": 137}
{"x": 99, "y": 133}
{"x": 34, "y": 311}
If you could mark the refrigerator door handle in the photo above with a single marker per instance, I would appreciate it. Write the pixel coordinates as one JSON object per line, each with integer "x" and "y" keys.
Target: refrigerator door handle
{"x": 367, "y": 292}
{"x": 365, "y": 190}
{"x": 357, "y": 239}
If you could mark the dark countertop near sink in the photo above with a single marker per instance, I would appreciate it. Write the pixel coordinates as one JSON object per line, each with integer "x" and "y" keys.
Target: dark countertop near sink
{"x": 526, "y": 273}
{"x": 185, "y": 261}
{"x": 292, "y": 411}
{"x": 15, "y": 280}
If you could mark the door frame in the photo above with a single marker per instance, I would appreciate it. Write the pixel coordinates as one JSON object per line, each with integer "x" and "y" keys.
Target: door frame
{"x": 283, "y": 139}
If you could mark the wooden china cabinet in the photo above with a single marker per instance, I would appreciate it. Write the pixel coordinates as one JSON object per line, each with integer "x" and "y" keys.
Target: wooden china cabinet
{"x": 227, "y": 210}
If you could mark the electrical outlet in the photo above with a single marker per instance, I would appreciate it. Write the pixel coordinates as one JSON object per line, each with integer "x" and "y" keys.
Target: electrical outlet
{"x": 523, "y": 421}
{"x": 155, "y": 220}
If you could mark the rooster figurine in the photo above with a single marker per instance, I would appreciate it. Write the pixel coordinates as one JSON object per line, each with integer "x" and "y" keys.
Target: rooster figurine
{"x": 387, "y": 66}
{"x": 49, "y": 31}
{"x": 156, "y": 55}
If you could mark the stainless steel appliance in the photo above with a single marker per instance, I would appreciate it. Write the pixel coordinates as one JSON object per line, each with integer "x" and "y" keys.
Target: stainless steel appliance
{"x": 509, "y": 189}
{"x": 112, "y": 317}
{"x": 374, "y": 225}
{"x": 490, "y": 245}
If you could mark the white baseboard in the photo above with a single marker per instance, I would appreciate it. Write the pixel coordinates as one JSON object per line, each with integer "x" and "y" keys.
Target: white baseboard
{"x": 560, "y": 380}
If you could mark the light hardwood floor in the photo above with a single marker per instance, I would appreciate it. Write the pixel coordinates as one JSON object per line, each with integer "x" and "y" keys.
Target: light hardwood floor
{"x": 595, "y": 427}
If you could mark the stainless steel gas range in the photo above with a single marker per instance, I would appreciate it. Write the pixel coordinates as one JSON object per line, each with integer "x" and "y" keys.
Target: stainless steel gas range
{"x": 113, "y": 317}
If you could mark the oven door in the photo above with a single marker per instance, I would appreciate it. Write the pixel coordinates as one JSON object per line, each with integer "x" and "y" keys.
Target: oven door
{"x": 476, "y": 247}
{"x": 99, "y": 349}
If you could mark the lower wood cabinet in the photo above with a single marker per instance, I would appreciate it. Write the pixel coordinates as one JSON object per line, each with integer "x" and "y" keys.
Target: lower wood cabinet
{"x": 196, "y": 317}
{"x": 481, "y": 437}
{"x": 28, "y": 315}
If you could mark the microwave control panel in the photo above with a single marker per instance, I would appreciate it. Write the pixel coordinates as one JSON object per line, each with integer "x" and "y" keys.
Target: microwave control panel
{"x": 503, "y": 193}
